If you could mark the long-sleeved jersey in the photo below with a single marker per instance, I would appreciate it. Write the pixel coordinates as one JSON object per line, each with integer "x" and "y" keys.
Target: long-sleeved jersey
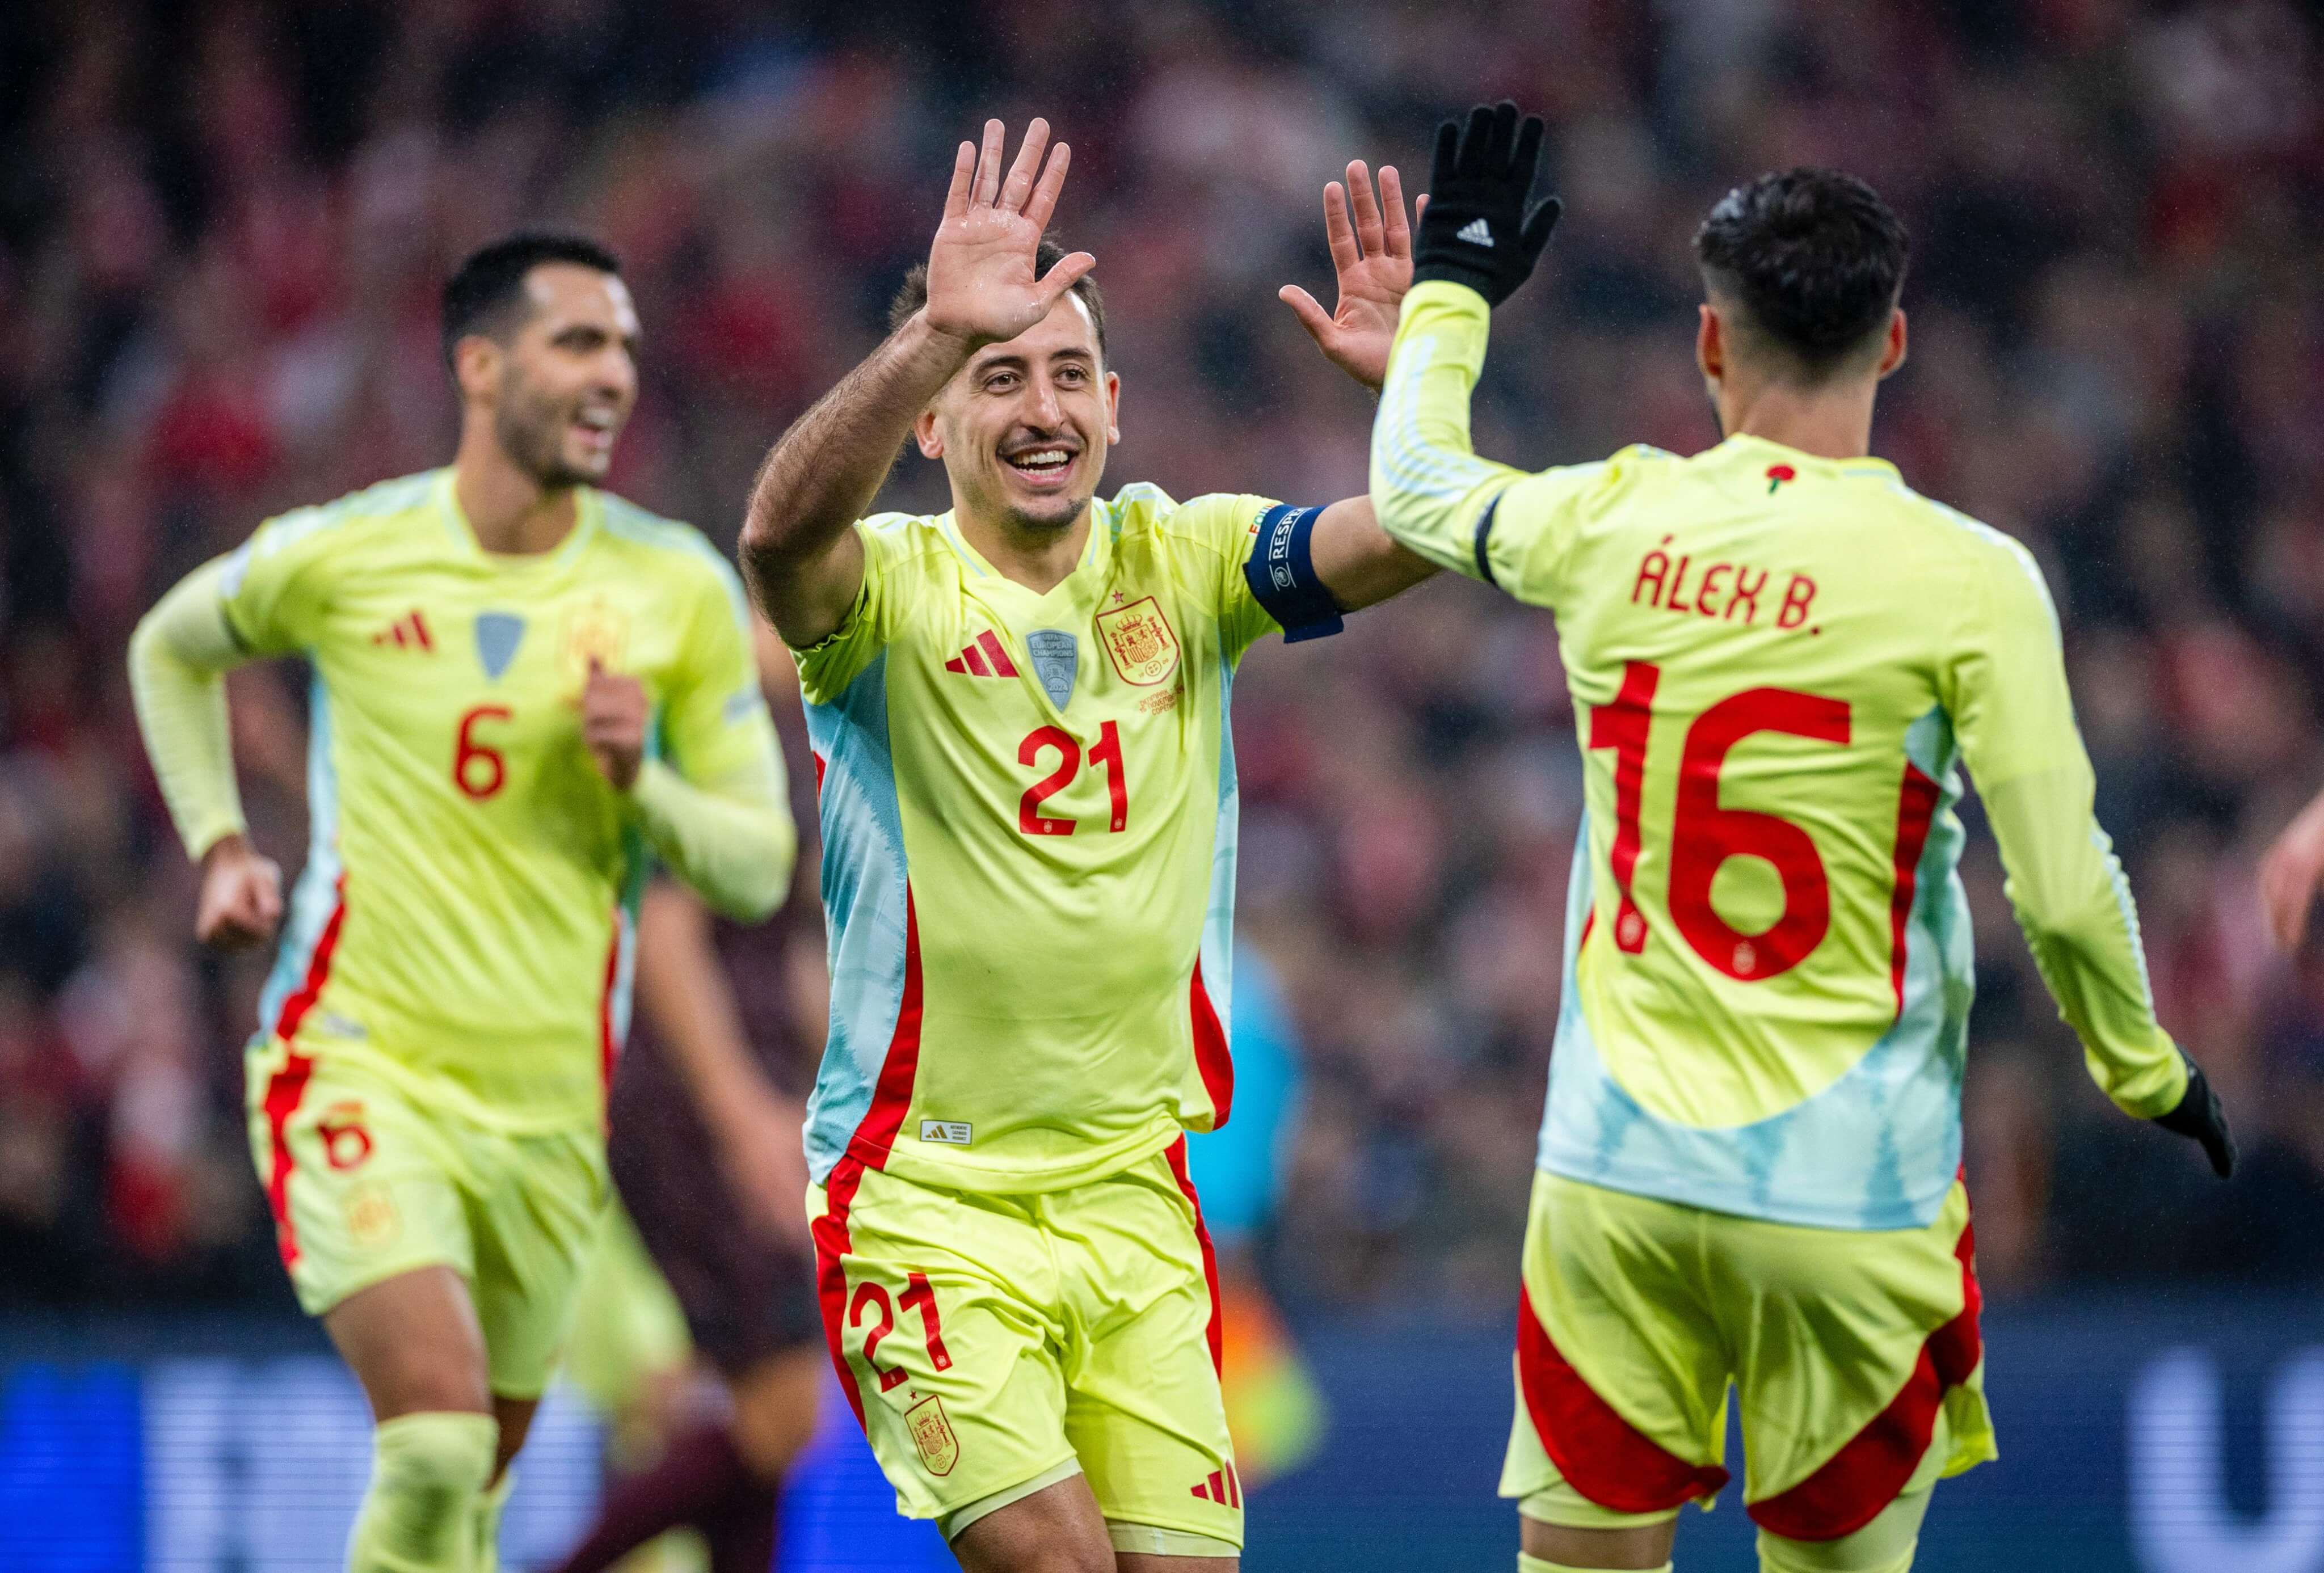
{"x": 1779, "y": 665}
{"x": 464, "y": 923}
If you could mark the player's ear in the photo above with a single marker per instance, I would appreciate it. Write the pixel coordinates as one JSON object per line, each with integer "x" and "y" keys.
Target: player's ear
{"x": 1710, "y": 343}
{"x": 1112, "y": 409}
{"x": 476, "y": 365}
{"x": 925, "y": 433}
{"x": 1892, "y": 353}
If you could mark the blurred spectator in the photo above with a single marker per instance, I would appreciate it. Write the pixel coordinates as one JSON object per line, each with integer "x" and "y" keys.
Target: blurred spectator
{"x": 222, "y": 229}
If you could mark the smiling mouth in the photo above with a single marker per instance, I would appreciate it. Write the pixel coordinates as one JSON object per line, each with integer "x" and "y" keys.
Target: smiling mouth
{"x": 1041, "y": 463}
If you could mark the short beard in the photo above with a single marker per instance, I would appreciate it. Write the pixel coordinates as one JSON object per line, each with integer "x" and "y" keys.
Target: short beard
{"x": 1055, "y": 521}
{"x": 532, "y": 435}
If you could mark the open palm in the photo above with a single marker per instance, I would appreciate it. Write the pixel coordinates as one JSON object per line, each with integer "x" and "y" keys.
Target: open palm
{"x": 1371, "y": 256}
{"x": 982, "y": 282}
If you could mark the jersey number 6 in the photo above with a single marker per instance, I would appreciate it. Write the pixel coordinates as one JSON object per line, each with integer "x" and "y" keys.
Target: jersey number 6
{"x": 1704, "y": 835}
{"x": 478, "y": 770}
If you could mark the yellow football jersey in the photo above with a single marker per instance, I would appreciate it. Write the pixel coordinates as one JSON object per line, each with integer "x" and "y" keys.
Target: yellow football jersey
{"x": 466, "y": 916}
{"x": 1779, "y": 663}
{"x": 1029, "y": 845}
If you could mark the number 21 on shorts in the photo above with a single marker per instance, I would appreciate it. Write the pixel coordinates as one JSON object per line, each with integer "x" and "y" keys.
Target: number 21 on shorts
{"x": 870, "y": 1314}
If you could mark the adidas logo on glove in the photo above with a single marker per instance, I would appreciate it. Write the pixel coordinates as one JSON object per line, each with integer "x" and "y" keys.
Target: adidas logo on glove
{"x": 1476, "y": 232}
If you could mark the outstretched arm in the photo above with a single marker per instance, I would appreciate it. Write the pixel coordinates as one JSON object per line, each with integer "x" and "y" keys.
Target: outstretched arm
{"x": 1371, "y": 241}
{"x": 802, "y": 560}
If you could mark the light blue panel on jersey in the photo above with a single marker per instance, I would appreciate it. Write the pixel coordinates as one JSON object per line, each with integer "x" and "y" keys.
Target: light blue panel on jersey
{"x": 1218, "y": 920}
{"x": 865, "y": 895}
{"x": 1877, "y": 1149}
{"x": 317, "y": 894}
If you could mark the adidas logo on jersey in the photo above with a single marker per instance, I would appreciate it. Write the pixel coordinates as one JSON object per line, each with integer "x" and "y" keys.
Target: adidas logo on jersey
{"x": 409, "y": 632}
{"x": 1476, "y": 232}
{"x": 1221, "y": 1488}
{"x": 984, "y": 658}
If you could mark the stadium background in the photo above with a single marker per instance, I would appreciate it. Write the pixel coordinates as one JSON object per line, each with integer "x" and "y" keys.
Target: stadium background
{"x": 222, "y": 230}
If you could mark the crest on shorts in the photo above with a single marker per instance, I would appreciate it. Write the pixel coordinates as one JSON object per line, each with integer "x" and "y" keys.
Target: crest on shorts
{"x": 1056, "y": 661}
{"x": 498, "y": 633}
{"x": 1138, "y": 639}
{"x": 932, "y": 1435}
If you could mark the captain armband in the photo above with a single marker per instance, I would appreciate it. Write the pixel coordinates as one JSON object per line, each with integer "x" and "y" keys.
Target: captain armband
{"x": 1281, "y": 572}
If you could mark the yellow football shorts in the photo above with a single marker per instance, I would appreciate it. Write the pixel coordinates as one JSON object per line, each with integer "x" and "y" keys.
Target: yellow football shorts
{"x": 994, "y": 1345}
{"x": 365, "y": 1183}
{"x": 1848, "y": 1352}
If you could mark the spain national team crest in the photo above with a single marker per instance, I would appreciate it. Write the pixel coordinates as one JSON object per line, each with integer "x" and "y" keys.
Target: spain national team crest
{"x": 932, "y": 1434}
{"x": 1138, "y": 639}
{"x": 595, "y": 630}
{"x": 1056, "y": 661}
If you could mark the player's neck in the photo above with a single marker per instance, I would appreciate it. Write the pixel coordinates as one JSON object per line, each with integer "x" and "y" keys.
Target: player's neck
{"x": 1038, "y": 559}
{"x": 1831, "y": 423}
{"x": 511, "y": 513}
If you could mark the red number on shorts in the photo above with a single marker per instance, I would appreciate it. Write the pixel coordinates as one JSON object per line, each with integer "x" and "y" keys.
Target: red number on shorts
{"x": 872, "y": 1293}
{"x": 346, "y": 1143}
{"x": 477, "y": 770}
{"x": 1108, "y": 752}
{"x": 1704, "y": 835}
{"x": 918, "y": 1296}
{"x": 1030, "y": 817}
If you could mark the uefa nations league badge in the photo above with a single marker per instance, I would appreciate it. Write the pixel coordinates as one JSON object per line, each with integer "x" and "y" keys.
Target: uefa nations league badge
{"x": 1056, "y": 658}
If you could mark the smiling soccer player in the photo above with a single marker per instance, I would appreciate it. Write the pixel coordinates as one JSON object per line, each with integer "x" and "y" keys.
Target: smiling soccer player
{"x": 523, "y": 687}
{"x": 1018, "y": 709}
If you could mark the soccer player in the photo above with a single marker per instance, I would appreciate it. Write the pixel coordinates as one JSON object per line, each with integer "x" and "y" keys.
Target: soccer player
{"x": 1019, "y": 712}
{"x": 1781, "y": 657}
{"x": 522, "y": 687}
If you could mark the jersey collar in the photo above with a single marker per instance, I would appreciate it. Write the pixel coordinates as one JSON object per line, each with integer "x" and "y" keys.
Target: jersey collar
{"x": 1097, "y": 553}
{"x": 1752, "y": 447}
{"x": 588, "y": 514}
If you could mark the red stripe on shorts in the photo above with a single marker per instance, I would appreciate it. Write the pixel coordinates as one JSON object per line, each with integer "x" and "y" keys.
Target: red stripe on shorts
{"x": 1873, "y": 1466}
{"x": 607, "y": 1050}
{"x": 1915, "y": 810}
{"x": 1177, "y": 1156}
{"x": 874, "y": 1138}
{"x": 1212, "y": 1058}
{"x": 1602, "y": 1454}
{"x": 284, "y": 1090}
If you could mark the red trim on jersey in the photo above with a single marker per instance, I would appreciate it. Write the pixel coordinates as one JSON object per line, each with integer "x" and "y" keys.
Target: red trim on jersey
{"x": 891, "y": 1095}
{"x": 1916, "y": 810}
{"x": 318, "y": 971}
{"x": 607, "y": 1050}
{"x": 1175, "y": 1154}
{"x": 284, "y": 1090}
{"x": 1212, "y": 1058}
{"x": 1602, "y": 1454}
{"x": 1855, "y": 1484}
{"x": 1002, "y": 666}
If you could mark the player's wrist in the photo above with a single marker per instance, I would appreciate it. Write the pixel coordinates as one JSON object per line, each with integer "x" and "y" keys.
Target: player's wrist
{"x": 233, "y": 846}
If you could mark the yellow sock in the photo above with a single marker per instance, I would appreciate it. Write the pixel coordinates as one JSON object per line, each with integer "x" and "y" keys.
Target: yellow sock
{"x": 487, "y": 1556}
{"x": 1536, "y": 1565}
{"x": 418, "y": 1514}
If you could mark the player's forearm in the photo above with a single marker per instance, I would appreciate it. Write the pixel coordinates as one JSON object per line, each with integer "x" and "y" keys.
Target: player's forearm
{"x": 824, "y": 474}
{"x": 177, "y": 660}
{"x": 685, "y": 995}
{"x": 1428, "y": 486}
{"x": 734, "y": 845}
{"x": 2074, "y": 904}
{"x": 1358, "y": 562}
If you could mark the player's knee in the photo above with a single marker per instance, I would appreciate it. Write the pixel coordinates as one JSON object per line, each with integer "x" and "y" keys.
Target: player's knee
{"x": 427, "y": 1470}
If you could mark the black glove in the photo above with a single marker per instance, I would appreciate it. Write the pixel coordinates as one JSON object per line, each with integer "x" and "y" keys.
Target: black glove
{"x": 2199, "y": 1116}
{"x": 1477, "y": 231}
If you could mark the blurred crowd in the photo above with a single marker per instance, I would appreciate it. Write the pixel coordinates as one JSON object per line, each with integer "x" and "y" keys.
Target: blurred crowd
{"x": 223, "y": 226}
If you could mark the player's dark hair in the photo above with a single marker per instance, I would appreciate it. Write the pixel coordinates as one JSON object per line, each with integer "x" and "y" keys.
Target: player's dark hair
{"x": 486, "y": 294}
{"x": 1814, "y": 257}
{"x": 913, "y": 292}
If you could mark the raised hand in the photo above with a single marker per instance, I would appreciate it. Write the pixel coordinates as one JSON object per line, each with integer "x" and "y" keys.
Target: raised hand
{"x": 1371, "y": 258}
{"x": 613, "y": 716}
{"x": 981, "y": 285}
{"x": 1480, "y": 233}
{"x": 2290, "y": 873}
